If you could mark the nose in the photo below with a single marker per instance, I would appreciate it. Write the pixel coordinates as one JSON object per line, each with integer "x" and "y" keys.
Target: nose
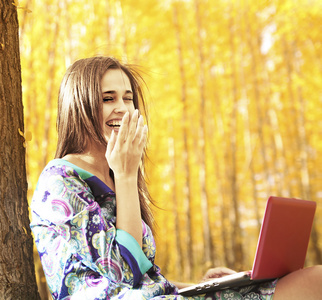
{"x": 120, "y": 106}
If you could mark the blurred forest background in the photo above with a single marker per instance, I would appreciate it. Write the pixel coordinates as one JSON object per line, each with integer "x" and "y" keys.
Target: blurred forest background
{"x": 235, "y": 111}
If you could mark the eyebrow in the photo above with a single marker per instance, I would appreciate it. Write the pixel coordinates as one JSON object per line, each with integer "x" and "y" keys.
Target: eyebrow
{"x": 114, "y": 92}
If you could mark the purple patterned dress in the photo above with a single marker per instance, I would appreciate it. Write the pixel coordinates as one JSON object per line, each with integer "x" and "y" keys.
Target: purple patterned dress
{"x": 84, "y": 256}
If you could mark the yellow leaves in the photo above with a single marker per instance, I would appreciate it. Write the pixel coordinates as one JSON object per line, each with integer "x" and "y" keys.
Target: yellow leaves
{"x": 27, "y": 137}
{"x": 237, "y": 76}
{"x": 20, "y": 132}
{"x": 16, "y": 4}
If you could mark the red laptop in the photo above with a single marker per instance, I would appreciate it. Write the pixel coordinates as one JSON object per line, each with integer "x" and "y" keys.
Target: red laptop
{"x": 281, "y": 248}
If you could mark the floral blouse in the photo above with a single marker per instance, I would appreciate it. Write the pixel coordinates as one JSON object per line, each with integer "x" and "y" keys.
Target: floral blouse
{"x": 82, "y": 253}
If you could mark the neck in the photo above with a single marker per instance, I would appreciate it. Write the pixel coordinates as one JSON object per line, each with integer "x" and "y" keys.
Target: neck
{"x": 94, "y": 161}
{"x": 95, "y": 158}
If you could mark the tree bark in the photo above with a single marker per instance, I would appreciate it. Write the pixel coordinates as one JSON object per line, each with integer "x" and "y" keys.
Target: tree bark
{"x": 176, "y": 244}
{"x": 237, "y": 244}
{"x": 17, "y": 274}
{"x": 189, "y": 254}
{"x": 52, "y": 54}
{"x": 208, "y": 247}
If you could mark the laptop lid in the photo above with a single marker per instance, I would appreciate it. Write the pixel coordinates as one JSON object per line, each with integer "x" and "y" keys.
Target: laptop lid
{"x": 281, "y": 247}
{"x": 284, "y": 237}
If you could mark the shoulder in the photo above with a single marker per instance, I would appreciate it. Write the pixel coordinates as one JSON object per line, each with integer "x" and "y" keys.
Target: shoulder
{"x": 78, "y": 161}
{"x": 73, "y": 158}
{"x": 65, "y": 168}
{"x": 63, "y": 174}
{"x": 61, "y": 189}
{"x": 61, "y": 178}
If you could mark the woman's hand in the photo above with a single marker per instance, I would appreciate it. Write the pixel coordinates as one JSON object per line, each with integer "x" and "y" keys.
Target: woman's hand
{"x": 124, "y": 150}
{"x": 123, "y": 153}
{"x": 217, "y": 273}
{"x": 210, "y": 274}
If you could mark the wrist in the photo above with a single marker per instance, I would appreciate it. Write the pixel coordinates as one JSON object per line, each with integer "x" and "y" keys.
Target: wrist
{"x": 125, "y": 185}
{"x": 126, "y": 177}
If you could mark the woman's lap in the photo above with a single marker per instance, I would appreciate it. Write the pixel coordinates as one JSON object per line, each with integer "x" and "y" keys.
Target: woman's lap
{"x": 263, "y": 291}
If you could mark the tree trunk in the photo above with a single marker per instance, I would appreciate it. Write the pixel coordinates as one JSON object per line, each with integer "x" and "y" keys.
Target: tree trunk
{"x": 17, "y": 274}
{"x": 304, "y": 158}
{"x": 52, "y": 53}
{"x": 232, "y": 174}
{"x": 189, "y": 254}
{"x": 208, "y": 247}
{"x": 176, "y": 243}
{"x": 257, "y": 97}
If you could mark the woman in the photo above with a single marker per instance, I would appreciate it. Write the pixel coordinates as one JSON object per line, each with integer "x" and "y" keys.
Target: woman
{"x": 90, "y": 216}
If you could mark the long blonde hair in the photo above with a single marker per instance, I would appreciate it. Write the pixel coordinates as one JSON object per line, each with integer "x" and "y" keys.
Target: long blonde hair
{"x": 79, "y": 112}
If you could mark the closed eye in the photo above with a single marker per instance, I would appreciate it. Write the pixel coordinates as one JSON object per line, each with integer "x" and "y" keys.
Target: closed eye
{"x": 107, "y": 99}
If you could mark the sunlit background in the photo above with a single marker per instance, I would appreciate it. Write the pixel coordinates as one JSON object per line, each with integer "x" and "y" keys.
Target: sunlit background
{"x": 235, "y": 111}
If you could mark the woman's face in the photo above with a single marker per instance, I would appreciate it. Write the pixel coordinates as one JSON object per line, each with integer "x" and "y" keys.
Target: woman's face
{"x": 117, "y": 100}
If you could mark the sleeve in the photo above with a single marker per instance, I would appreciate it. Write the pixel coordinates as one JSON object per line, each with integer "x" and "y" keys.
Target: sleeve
{"x": 69, "y": 225}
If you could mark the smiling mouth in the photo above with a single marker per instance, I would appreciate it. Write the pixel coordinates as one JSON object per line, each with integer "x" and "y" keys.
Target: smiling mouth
{"x": 114, "y": 124}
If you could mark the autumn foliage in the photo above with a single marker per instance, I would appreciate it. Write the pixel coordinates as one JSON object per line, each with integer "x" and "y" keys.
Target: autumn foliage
{"x": 235, "y": 110}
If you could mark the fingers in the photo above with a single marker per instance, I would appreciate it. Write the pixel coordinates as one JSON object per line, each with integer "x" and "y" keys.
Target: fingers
{"x": 124, "y": 149}
{"x": 134, "y": 125}
{"x": 123, "y": 132}
{"x": 144, "y": 136}
{"x": 132, "y": 131}
{"x": 111, "y": 143}
{"x": 217, "y": 273}
{"x": 139, "y": 130}
{"x": 228, "y": 271}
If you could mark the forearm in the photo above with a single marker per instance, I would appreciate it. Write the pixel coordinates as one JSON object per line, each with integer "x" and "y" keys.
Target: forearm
{"x": 210, "y": 274}
{"x": 123, "y": 154}
{"x": 128, "y": 212}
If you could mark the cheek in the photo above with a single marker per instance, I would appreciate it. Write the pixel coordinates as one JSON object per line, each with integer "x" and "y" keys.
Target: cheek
{"x": 106, "y": 131}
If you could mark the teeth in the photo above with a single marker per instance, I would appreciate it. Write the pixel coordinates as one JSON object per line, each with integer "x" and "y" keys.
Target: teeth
{"x": 114, "y": 123}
